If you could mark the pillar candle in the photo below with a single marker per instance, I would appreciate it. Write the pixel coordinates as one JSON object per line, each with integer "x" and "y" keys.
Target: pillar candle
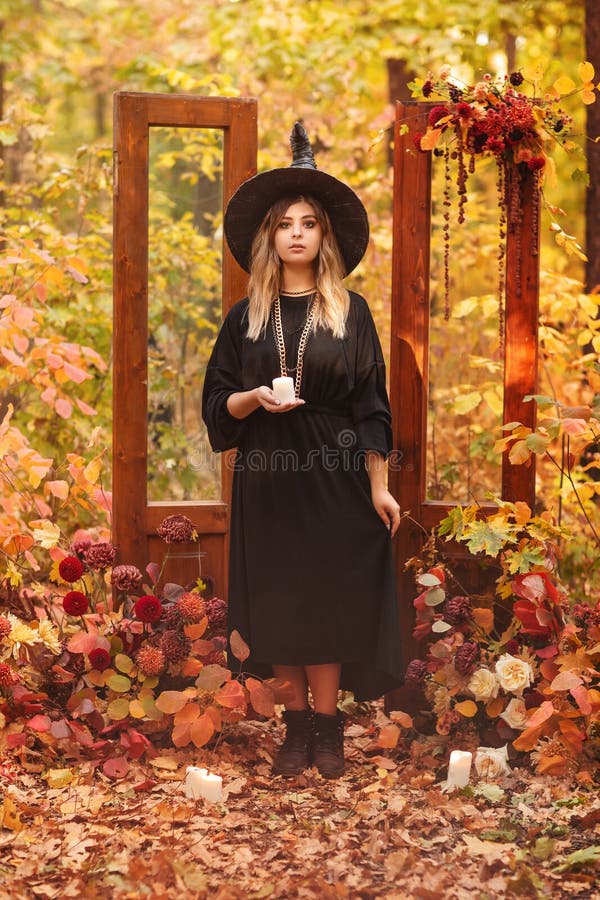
{"x": 212, "y": 788}
{"x": 459, "y": 769}
{"x": 194, "y": 779}
{"x": 283, "y": 388}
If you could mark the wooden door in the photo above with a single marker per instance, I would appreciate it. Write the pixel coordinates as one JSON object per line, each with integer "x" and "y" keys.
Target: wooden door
{"x": 135, "y": 519}
{"x": 409, "y": 366}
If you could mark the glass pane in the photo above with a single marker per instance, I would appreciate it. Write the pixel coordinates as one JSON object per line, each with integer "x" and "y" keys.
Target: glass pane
{"x": 184, "y": 308}
{"x": 465, "y": 361}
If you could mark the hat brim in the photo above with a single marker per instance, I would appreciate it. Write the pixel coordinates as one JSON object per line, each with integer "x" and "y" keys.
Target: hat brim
{"x": 253, "y": 199}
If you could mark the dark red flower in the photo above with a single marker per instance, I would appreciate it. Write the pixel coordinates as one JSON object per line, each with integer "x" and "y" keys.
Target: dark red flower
{"x": 75, "y": 603}
{"x": 464, "y": 111}
{"x": 495, "y": 145}
{"x": 417, "y": 141}
{"x": 416, "y": 672}
{"x": 515, "y": 79}
{"x": 148, "y": 608}
{"x": 512, "y": 647}
{"x": 99, "y": 658}
{"x": 71, "y": 569}
{"x": 427, "y": 88}
{"x": 437, "y": 113}
{"x": 536, "y": 163}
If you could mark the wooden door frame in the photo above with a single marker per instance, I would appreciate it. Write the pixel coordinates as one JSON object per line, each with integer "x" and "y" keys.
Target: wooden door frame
{"x": 134, "y": 519}
{"x": 409, "y": 363}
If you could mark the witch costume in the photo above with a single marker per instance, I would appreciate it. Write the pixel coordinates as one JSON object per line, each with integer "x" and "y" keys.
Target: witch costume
{"x": 311, "y": 570}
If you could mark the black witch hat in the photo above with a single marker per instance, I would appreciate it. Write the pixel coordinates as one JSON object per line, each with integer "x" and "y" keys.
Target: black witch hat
{"x": 253, "y": 199}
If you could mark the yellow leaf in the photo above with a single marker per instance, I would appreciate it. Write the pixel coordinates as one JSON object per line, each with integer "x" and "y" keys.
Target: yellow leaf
{"x": 466, "y": 403}
{"x": 93, "y": 469}
{"x": 9, "y": 815}
{"x": 468, "y": 708}
{"x": 564, "y": 85}
{"x": 585, "y": 70}
{"x": 495, "y": 707}
{"x": 45, "y": 533}
{"x": 588, "y": 97}
{"x": 484, "y": 618}
{"x": 136, "y": 709}
{"x": 58, "y": 778}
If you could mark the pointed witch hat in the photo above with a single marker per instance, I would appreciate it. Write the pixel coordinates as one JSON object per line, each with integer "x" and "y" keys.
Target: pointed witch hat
{"x": 253, "y": 199}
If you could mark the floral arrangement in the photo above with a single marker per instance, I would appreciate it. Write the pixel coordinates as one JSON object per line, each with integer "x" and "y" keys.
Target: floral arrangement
{"x": 522, "y": 667}
{"x": 496, "y": 118}
{"x": 114, "y": 658}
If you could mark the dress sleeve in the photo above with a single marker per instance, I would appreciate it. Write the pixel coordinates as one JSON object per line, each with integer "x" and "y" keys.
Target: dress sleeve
{"x": 223, "y": 377}
{"x": 369, "y": 402}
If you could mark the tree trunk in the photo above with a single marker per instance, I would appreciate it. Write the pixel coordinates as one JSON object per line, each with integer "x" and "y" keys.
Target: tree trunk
{"x": 592, "y": 205}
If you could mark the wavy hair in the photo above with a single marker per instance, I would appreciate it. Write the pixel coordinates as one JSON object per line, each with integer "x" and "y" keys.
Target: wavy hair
{"x": 264, "y": 285}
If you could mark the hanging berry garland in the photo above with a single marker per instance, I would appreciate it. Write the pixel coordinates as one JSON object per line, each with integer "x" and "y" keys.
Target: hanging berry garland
{"x": 494, "y": 118}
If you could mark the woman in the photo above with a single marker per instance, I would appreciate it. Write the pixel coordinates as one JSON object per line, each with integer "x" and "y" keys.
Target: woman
{"x": 312, "y": 587}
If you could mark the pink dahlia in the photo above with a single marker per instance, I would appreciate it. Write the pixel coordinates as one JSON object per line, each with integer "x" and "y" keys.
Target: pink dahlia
{"x": 126, "y": 578}
{"x": 176, "y": 530}
{"x": 100, "y": 556}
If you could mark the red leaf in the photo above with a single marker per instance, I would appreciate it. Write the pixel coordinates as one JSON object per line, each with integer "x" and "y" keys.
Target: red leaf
{"x": 239, "y": 647}
{"x": 39, "y": 723}
{"x": 116, "y": 768}
{"x": 146, "y": 785}
{"x": 17, "y": 739}
{"x": 548, "y": 652}
{"x": 582, "y": 698}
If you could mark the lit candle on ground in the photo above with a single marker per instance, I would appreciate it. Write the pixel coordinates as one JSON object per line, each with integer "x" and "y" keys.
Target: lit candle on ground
{"x": 194, "y": 778}
{"x": 459, "y": 769}
{"x": 283, "y": 388}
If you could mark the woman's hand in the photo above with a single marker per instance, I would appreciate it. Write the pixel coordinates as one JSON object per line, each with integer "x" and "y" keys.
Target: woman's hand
{"x": 267, "y": 399}
{"x": 387, "y": 509}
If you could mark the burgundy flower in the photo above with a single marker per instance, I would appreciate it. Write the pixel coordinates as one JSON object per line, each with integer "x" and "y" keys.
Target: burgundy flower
{"x": 416, "y": 672}
{"x": 70, "y": 569}
{"x": 75, "y": 603}
{"x": 176, "y": 530}
{"x": 437, "y": 113}
{"x": 515, "y": 79}
{"x": 216, "y": 610}
{"x": 79, "y": 547}
{"x": 586, "y": 616}
{"x": 466, "y": 657}
{"x": 536, "y": 163}
{"x": 5, "y": 627}
{"x": 100, "y": 556}
{"x": 495, "y": 145}
{"x": 126, "y": 578}
{"x": 417, "y": 141}
{"x": 512, "y": 647}
{"x": 99, "y": 658}
{"x": 427, "y": 88}
{"x": 457, "y": 610}
{"x": 464, "y": 111}
{"x": 148, "y": 608}
{"x": 455, "y": 94}
{"x": 175, "y": 646}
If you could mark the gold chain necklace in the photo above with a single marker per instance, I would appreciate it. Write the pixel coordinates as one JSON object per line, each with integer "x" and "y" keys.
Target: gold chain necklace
{"x": 280, "y": 343}
{"x": 298, "y": 293}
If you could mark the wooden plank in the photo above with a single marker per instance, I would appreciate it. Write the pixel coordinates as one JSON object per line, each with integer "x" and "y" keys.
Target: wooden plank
{"x": 130, "y": 329}
{"x": 409, "y": 351}
{"x": 521, "y": 336}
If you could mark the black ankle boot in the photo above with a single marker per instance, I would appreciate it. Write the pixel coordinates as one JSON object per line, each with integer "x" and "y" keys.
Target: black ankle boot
{"x": 328, "y": 744}
{"x": 295, "y": 753}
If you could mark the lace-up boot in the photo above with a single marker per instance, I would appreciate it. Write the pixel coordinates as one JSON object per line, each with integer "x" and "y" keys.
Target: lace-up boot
{"x": 328, "y": 744}
{"x": 295, "y": 753}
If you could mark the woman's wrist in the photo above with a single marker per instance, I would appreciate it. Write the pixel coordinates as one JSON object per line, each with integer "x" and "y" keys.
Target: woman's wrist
{"x": 242, "y": 403}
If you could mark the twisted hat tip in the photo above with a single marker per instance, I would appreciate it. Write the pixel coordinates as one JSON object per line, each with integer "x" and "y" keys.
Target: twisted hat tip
{"x": 302, "y": 155}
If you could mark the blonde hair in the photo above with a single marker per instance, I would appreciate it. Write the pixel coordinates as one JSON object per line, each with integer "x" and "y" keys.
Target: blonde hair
{"x": 264, "y": 285}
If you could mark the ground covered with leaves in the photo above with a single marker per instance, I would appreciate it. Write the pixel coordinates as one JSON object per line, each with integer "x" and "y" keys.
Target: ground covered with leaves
{"x": 386, "y": 829}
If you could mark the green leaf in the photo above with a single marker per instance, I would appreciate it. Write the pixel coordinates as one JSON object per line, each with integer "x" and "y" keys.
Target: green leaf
{"x": 502, "y": 835}
{"x": 488, "y": 539}
{"x": 435, "y": 596}
{"x": 543, "y": 848}
{"x": 581, "y": 176}
{"x": 118, "y": 683}
{"x": 492, "y": 792}
{"x": 537, "y": 442}
{"x": 118, "y": 709}
{"x": 582, "y": 857}
{"x": 542, "y": 400}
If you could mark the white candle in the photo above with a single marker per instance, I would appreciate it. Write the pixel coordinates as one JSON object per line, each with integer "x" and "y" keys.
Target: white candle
{"x": 194, "y": 779}
{"x": 283, "y": 388}
{"x": 459, "y": 769}
{"x": 212, "y": 788}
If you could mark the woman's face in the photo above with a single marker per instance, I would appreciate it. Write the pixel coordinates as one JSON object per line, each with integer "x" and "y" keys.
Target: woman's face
{"x": 298, "y": 235}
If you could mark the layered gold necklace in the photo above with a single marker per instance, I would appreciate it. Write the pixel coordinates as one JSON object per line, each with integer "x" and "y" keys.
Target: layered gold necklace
{"x": 280, "y": 343}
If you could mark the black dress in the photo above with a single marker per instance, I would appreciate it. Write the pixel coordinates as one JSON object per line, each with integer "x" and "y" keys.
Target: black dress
{"x": 311, "y": 572}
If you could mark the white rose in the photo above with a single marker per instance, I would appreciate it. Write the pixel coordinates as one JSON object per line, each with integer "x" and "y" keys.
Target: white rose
{"x": 491, "y": 762}
{"x": 515, "y": 714}
{"x": 514, "y": 674}
{"x": 484, "y": 685}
